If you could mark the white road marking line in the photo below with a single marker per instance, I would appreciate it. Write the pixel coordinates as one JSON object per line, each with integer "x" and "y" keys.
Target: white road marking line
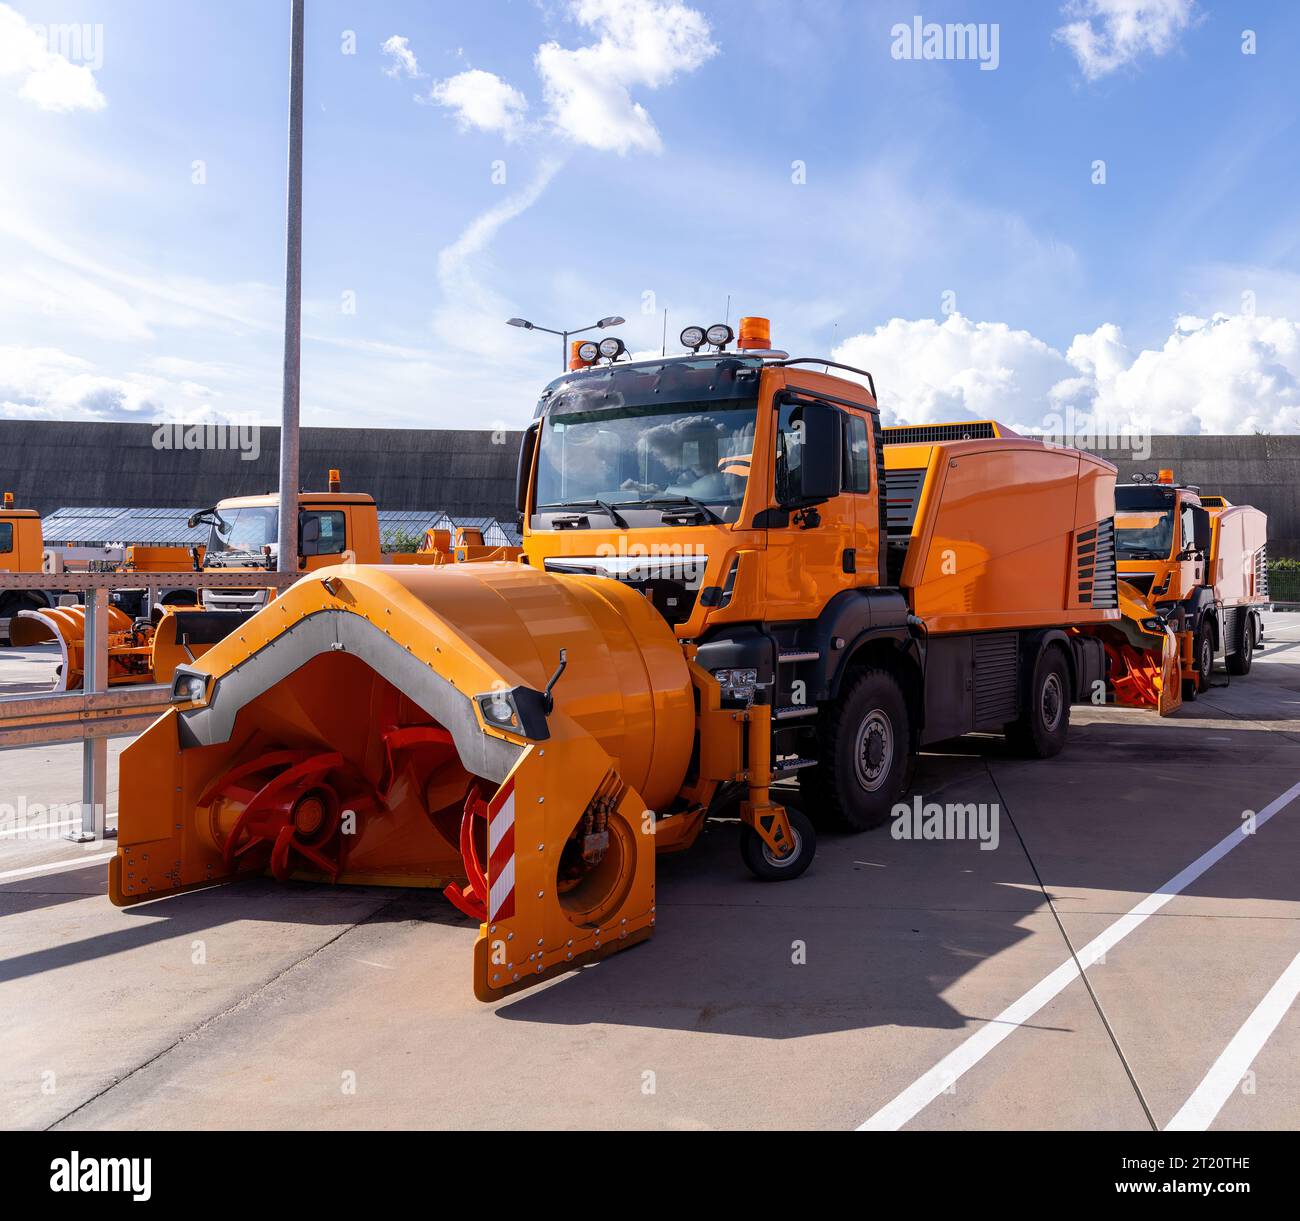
{"x": 17, "y": 832}
{"x": 926, "y": 1088}
{"x": 58, "y": 867}
{"x": 1226, "y": 1074}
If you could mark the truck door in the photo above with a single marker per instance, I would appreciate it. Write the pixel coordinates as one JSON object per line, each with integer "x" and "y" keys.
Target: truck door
{"x": 860, "y": 488}
{"x": 1194, "y": 563}
{"x": 810, "y": 555}
{"x": 322, "y": 537}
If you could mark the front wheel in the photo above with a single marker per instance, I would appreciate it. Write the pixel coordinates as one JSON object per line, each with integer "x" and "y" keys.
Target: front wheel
{"x": 1041, "y": 731}
{"x": 863, "y": 744}
{"x": 1204, "y": 657}
{"x": 767, "y": 867}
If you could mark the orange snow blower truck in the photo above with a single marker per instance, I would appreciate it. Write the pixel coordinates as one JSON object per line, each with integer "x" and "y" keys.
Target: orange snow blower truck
{"x": 1193, "y": 580}
{"x": 728, "y": 579}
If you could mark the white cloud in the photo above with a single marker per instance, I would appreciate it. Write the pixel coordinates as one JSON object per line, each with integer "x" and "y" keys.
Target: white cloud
{"x": 640, "y": 43}
{"x": 50, "y": 384}
{"x": 48, "y": 78}
{"x": 483, "y": 100}
{"x": 1226, "y": 374}
{"x": 402, "y": 61}
{"x": 1108, "y": 34}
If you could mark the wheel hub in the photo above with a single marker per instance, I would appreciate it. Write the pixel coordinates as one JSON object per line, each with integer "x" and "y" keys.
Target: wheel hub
{"x": 874, "y": 751}
{"x": 1052, "y": 702}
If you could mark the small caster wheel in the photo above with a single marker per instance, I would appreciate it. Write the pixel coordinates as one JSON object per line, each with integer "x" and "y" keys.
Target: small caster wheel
{"x": 766, "y": 866}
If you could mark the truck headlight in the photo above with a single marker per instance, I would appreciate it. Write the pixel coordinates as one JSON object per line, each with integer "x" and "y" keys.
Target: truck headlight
{"x": 498, "y": 709}
{"x": 189, "y": 688}
{"x": 737, "y": 684}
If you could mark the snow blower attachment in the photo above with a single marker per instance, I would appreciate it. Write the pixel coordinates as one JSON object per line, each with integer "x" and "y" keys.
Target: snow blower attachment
{"x": 1144, "y": 667}
{"x": 138, "y": 651}
{"x": 485, "y": 728}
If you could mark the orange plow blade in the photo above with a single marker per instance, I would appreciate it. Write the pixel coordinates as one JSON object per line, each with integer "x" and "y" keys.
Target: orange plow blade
{"x": 128, "y": 643}
{"x": 419, "y": 727}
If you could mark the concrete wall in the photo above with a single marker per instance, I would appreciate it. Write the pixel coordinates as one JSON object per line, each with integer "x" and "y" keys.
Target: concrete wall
{"x": 55, "y": 464}
{"x": 49, "y": 465}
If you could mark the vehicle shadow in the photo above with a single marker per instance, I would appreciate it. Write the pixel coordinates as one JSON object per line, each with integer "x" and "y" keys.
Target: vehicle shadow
{"x": 879, "y": 929}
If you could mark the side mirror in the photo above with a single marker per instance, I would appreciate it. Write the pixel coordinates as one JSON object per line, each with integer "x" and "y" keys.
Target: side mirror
{"x": 819, "y": 475}
{"x": 1201, "y": 531}
{"x": 527, "y": 448}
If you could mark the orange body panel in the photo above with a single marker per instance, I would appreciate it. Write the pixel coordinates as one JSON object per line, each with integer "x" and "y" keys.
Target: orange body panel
{"x": 994, "y": 538}
{"x": 160, "y": 559}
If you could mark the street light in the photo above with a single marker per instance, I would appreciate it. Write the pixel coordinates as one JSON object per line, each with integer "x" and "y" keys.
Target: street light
{"x": 612, "y": 320}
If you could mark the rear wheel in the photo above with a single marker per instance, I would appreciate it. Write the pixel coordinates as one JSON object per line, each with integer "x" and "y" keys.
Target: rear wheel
{"x": 1239, "y": 661}
{"x": 1041, "y": 732}
{"x": 765, "y": 865}
{"x": 862, "y": 757}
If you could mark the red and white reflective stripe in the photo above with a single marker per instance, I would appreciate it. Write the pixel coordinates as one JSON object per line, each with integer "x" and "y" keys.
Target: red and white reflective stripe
{"x": 501, "y": 853}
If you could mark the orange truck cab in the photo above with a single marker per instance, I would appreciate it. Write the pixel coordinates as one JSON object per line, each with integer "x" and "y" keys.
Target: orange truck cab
{"x": 874, "y": 597}
{"x": 1199, "y": 566}
{"x": 244, "y": 534}
{"x": 22, "y": 549}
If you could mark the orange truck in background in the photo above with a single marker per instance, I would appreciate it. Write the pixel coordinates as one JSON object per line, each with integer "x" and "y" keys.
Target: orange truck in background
{"x": 1193, "y": 570}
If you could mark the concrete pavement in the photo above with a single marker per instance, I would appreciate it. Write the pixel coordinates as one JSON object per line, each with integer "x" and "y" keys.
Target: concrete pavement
{"x": 813, "y": 1004}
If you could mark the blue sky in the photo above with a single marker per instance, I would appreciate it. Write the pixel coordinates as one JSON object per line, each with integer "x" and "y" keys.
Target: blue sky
{"x": 948, "y": 232}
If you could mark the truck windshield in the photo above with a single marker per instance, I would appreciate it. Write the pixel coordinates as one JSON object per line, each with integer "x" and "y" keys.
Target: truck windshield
{"x": 630, "y": 455}
{"x": 244, "y": 529}
{"x": 1144, "y": 534}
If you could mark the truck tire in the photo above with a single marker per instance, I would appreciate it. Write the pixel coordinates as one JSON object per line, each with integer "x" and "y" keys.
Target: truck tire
{"x": 863, "y": 743}
{"x": 1041, "y": 732}
{"x": 12, "y": 605}
{"x": 764, "y": 866}
{"x": 1203, "y": 651}
{"x": 1239, "y": 660}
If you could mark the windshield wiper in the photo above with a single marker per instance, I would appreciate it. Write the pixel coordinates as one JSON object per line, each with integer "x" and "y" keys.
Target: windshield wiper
{"x": 603, "y": 505}
{"x": 667, "y": 502}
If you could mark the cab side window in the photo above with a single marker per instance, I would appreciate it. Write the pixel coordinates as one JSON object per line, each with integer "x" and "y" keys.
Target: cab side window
{"x": 6, "y": 536}
{"x": 321, "y": 532}
{"x": 857, "y": 454}
{"x": 789, "y": 450}
{"x": 1189, "y": 527}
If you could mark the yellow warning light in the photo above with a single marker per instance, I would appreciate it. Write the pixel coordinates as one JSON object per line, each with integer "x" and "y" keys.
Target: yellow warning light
{"x": 1166, "y": 475}
{"x": 336, "y": 480}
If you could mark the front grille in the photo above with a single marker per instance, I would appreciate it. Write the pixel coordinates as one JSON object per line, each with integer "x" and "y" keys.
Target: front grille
{"x": 1097, "y": 579}
{"x": 672, "y": 583}
{"x": 925, "y": 434}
